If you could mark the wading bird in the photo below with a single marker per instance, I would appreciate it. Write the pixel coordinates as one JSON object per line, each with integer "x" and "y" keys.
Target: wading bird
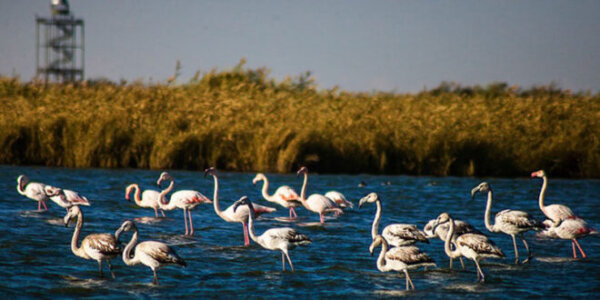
{"x": 394, "y": 234}
{"x": 508, "y": 221}
{"x": 149, "y": 253}
{"x": 554, "y": 212}
{"x": 400, "y": 258}
{"x": 569, "y": 229}
{"x": 473, "y": 246}
{"x": 283, "y": 239}
{"x": 230, "y": 214}
{"x": 339, "y": 199}
{"x": 99, "y": 246}
{"x": 441, "y": 230}
{"x": 149, "y": 198}
{"x": 284, "y": 195}
{"x": 316, "y": 202}
{"x": 185, "y": 200}
{"x": 34, "y": 191}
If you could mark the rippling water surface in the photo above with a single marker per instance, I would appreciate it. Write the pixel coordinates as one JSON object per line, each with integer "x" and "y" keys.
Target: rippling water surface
{"x": 36, "y": 259}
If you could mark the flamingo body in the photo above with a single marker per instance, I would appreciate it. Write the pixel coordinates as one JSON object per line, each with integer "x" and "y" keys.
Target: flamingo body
{"x": 67, "y": 198}
{"x": 148, "y": 199}
{"x": 339, "y": 199}
{"x": 316, "y": 202}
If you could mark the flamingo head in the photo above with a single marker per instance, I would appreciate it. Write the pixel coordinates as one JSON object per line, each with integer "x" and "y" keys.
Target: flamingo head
{"x": 429, "y": 229}
{"x": 22, "y": 181}
{"x": 126, "y": 226}
{"x": 164, "y": 176}
{"x": 243, "y": 201}
{"x": 378, "y": 240}
{"x": 302, "y": 170}
{"x": 258, "y": 177}
{"x": 73, "y": 212}
{"x": 51, "y": 191}
{"x": 481, "y": 188}
{"x": 370, "y": 198}
{"x": 128, "y": 191}
{"x": 442, "y": 218}
{"x": 539, "y": 174}
{"x": 210, "y": 171}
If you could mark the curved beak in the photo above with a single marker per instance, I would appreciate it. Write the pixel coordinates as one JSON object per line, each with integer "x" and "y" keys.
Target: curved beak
{"x": 118, "y": 233}
{"x": 473, "y": 192}
{"x": 361, "y": 202}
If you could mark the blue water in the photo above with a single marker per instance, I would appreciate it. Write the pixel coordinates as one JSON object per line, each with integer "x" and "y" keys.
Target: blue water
{"x": 36, "y": 260}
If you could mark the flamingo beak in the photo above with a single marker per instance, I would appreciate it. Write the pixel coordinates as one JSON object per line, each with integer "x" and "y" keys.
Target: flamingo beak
{"x": 473, "y": 192}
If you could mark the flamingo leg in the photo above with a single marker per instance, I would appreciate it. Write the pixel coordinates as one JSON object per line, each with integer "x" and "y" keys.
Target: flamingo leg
{"x": 185, "y": 221}
{"x": 462, "y": 263}
{"x": 44, "y": 204}
{"x": 163, "y": 213}
{"x": 100, "y": 268}
{"x": 480, "y": 271}
{"x": 291, "y": 213}
{"x": 155, "y": 277}
{"x": 155, "y": 212}
{"x": 581, "y": 250}
{"x": 529, "y": 254}
{"x": 294, "y": 212}
{"x": 450, "y": 263}
{"x": 191, "y": 225}
{"x": 110, "y": 268}
{"x": 246, "y": 239}
{"x": 39, "y": 205}
{"x": 516, "y": 249}
{"x": 289, "y": 260}
{"x": 322, "y": 218}
{"x": 282, "y": 261}
{"x": 574, "y": 252}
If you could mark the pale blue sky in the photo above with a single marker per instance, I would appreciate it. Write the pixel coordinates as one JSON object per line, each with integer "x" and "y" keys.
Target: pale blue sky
{"x": 400, "y": 46}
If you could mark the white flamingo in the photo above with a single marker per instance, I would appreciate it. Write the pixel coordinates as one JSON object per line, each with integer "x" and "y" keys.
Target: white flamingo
{"x": 473, "y": 246}
{"x": 400, "y": 258}
{"x": 284, "y": 195}
{"x": 34, "y": 191}
{"x": 508, "y": 221}
{"x": 339, "y": 199}
{"x": 149, "y": 198}
{"x": 554, "y": 212}
{"x": 569, "y": 229}
{"x": 184, "y": 199}
{"x": 283, "y": 238}
{"x": 394, "y": 234}
{"x": 230, "y": 214}
{"x": 316, "y": 202}
{"x": 67, "y": 198}
{"x": 441, "y": 230}
{"x": 99, "y": 246}
{"x": 152, "y": 254}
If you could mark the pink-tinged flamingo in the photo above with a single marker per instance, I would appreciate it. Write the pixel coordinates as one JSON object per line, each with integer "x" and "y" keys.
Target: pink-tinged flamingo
{"x": 511, "y": 222}
{"x": 149, "y": 198}
{"x": 572, "y": 229}
{"x": 316, "y": 202}
{"x": 99, "y": 246}
{"x": 284, "y": 195}
{"x": 473, "y": 246}
{"x": 34, "y": 191}
{"x": 230, "y": 214}
{"x": 400, "y": 258}
{"x": 149, "y": 253}
{"x": 283, "y": 238}
{"x": 554, "y": 212}
{"x": 67, "y": 198}
{"x": 185, "y": 200}
{"x": 394, "y": 234}
{"x": 339, "y": 199}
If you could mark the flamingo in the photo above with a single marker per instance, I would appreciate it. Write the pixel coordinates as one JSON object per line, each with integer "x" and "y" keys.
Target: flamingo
{"x": 554, "y": 212}
{"x": 284, "y": 195}
{"x": 230, "y": 214}
{"x": 99, "y": 246}
{"x": 316, "y": 202}
{"x": 185, "y": 200}
{"x": 149, "y": 198}
{"x": 339, "y": 199}
{"x": 149, "y": 253}
{"x": 508, "y": 221}
{"x": 283, "y": 238}
{"x": 66, "y": 198}
{"x": 441, "y": 230}
{"x": 394, "y": 234}
{"x": 34, "y": 191}
{"x": 569, "y": 229}
{"x": 400, "y": 258}
{"x": 473, "y": 246}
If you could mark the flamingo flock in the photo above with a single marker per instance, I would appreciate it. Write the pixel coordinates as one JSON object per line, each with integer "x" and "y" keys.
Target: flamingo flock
{"x": 398, "y": 241}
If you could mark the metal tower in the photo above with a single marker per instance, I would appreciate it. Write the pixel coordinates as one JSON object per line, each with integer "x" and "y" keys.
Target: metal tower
{"x": 61, "y": 41}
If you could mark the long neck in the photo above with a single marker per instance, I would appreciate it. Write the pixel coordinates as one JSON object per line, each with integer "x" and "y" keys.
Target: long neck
{"x": 162, "y": 197}
{"x": 303, "y": 191}
{"x": 127, "y": 251}
{"x": 450, "y": 253}
{"x": 216, "y": 198}
{"x": 543, "y": 192}
{"x": 381, "y": 259}
{"x": 76, "y": 249}
{"x": 21, "y": 187}
{"x": 375, "y": 227}
{"x": 265, "y": 188}
{"x": 488, "y": 209}
{"x": 251, "y": 225}
{"x": 136, "y": 195}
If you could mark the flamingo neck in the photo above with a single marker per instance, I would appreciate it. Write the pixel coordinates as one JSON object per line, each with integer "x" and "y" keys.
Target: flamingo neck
{"x": 381, "y": 265}
{"x": 218, "y": 210}
{"x": 21, "y": 186}
{"x": 488, "y": 212}
{"x": 265, "y": 189}
{"x": 303, "y": 192}
{"x": 450, "y": 253}
{"x": 127, "y": 251}
{"x": 162, "y": 199}
{"x": 543, "y": 193}
{"x": 375, "y": 226}
{"x": 136, "y": 195}
{"x": 74, "y": 247}
{"x": 251, "y": 216}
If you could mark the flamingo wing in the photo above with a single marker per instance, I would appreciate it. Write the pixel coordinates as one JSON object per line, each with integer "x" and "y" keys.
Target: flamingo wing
{"x": 479, "y": 243}
{"x": 160, "y": 252}
{"x": 103, "y": 243}
{"x": 287, "y": 193}
{"x": 558, "y": 212}
{"x": 408, "y": 255}
{"x": 517, "y": 218}
{"x": 399, "y": 234}
{"x": 75, "y": 198}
